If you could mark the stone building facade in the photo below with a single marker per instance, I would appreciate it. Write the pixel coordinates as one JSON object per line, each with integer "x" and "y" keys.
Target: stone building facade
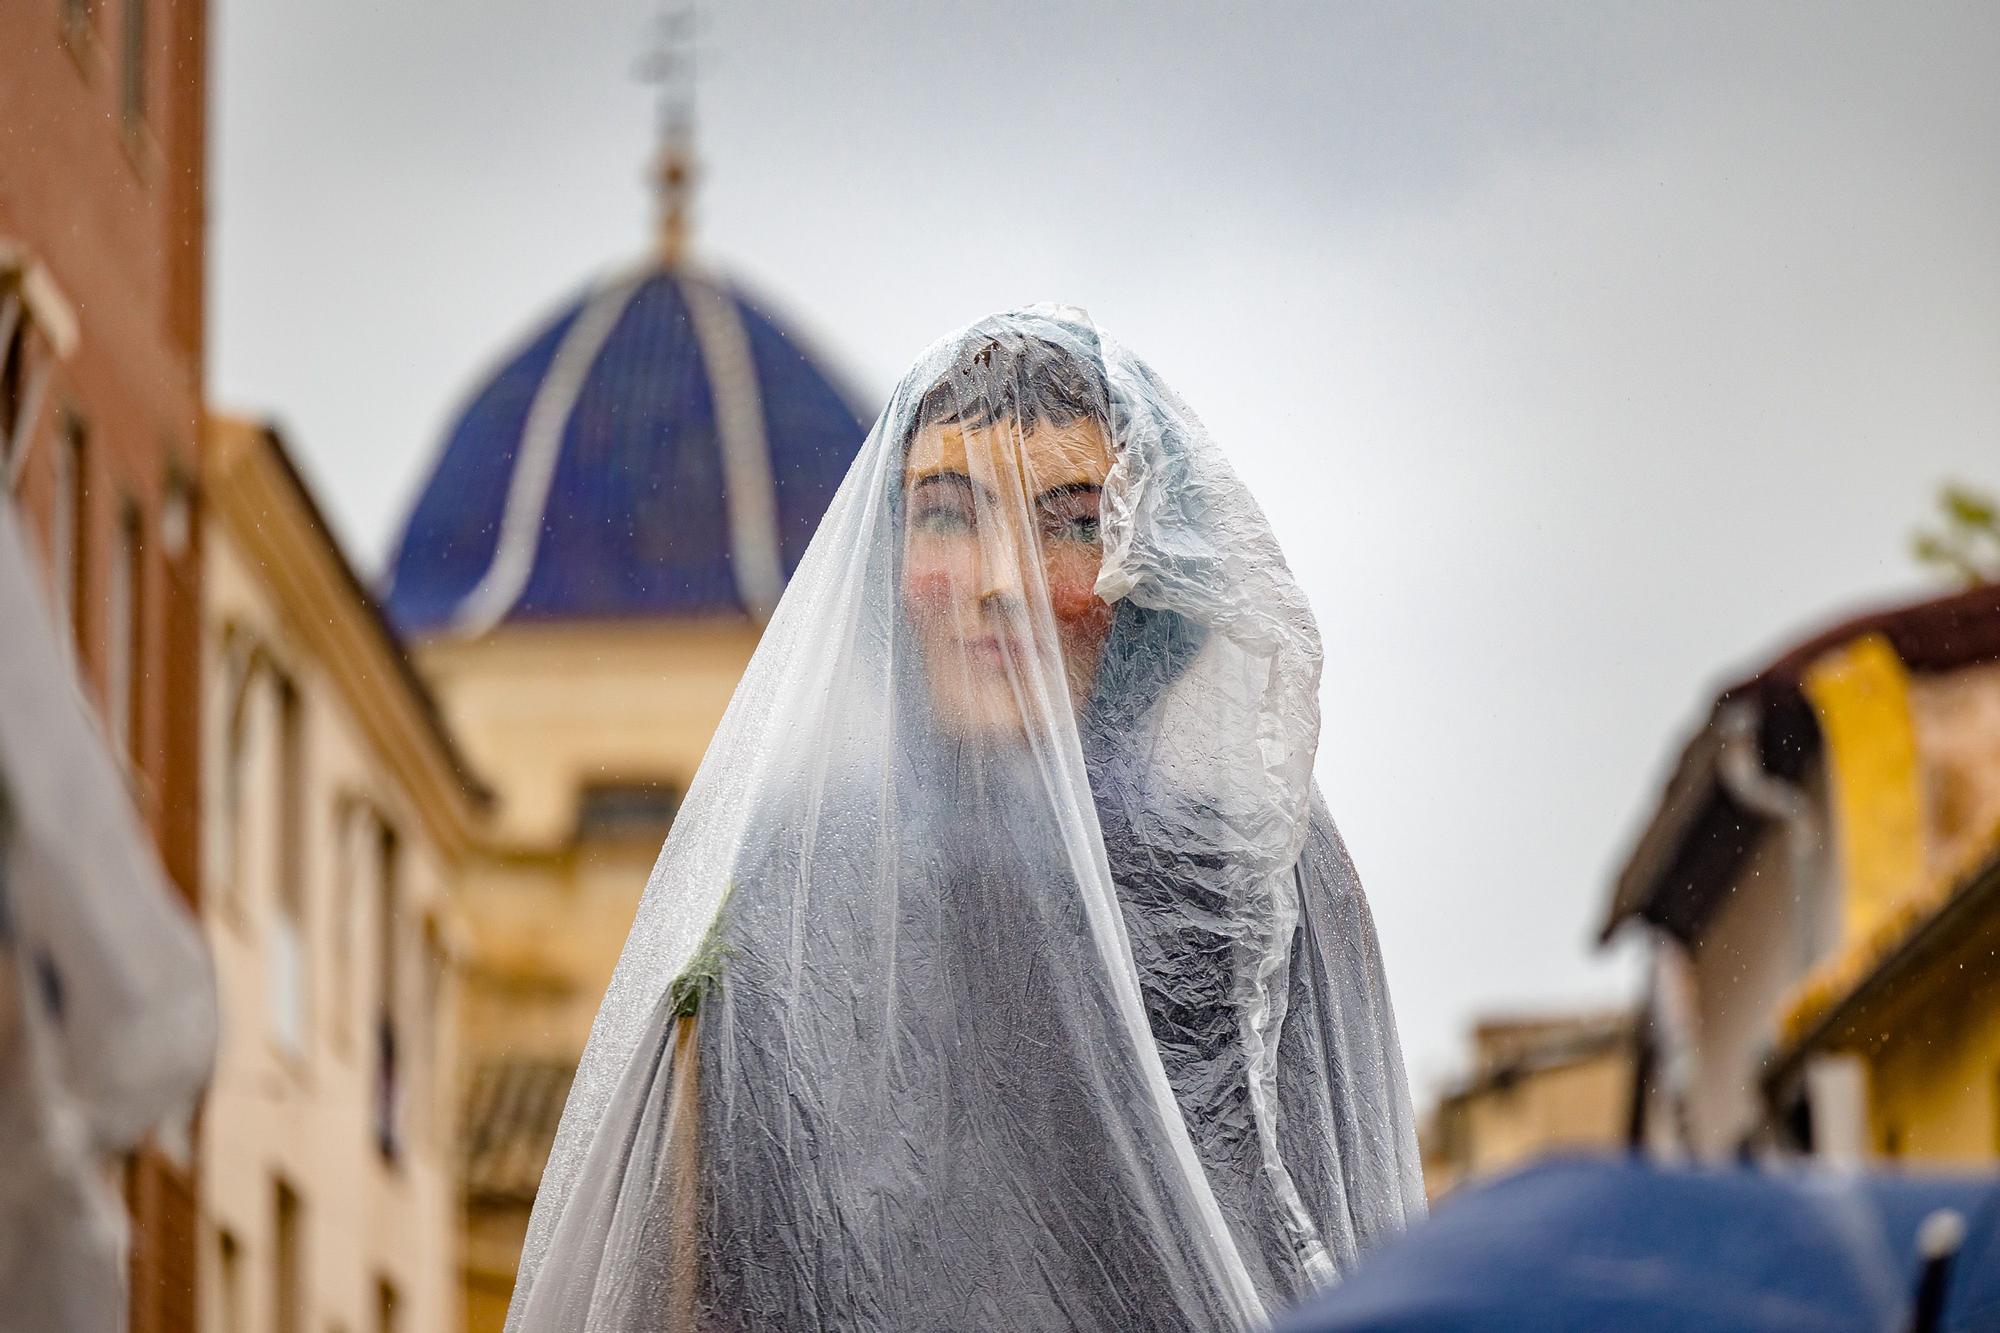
{"x": 339, "y": 817}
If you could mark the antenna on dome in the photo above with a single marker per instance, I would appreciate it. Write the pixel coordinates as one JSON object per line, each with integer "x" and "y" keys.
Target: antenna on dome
{"x": 670, "y": 67}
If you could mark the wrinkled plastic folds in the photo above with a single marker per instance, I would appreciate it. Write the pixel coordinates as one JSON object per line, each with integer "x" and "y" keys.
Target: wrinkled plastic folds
{"x": 107, "y": 1002}
{"x": 1003, "y": 967}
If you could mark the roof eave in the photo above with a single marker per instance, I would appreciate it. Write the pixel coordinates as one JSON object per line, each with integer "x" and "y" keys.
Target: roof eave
{"x": 1660, "y": 841}
{"x": 1935, "y": 635}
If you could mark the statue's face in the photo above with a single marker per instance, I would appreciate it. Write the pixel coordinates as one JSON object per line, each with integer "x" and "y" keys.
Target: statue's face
{"x": 995, "y": 520}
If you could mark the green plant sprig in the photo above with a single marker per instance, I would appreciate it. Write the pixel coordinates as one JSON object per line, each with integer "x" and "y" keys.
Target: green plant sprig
{"x": 686, "y": 992}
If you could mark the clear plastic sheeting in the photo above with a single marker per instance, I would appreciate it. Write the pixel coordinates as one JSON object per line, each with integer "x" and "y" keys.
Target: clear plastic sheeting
{"x": 1003, "y": 968}
{"x": 107, "y": 1001}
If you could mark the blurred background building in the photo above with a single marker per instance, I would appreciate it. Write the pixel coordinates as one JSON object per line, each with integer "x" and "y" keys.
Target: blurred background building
{"x": 583, "y": 576}
{"x": 1820, "y": 886}
{"x": 340, "y": 816}
{"x": 1819, "y": 883}
{"x": 407, "y": 976}
{"x": 1552, "y": 1083}
{"x": 414, "y": 906}
{"x": 102, "y": 254}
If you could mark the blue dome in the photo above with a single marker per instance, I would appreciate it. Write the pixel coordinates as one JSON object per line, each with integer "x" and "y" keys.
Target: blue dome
{"x": 659, "y": 448}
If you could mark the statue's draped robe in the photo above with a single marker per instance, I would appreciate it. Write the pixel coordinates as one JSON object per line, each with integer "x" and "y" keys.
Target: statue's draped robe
{"x": 1085, "y": 1028}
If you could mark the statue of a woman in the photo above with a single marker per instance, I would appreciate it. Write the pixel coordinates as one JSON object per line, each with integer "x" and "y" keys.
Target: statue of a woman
{"x": 1004, "y": 968}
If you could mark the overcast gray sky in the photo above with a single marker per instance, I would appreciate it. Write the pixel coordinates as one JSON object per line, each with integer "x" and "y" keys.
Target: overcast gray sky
{"x": 1581, "y": 355}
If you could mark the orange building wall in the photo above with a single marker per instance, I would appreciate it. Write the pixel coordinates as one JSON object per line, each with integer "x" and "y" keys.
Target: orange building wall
{"x": 112, "y": 207}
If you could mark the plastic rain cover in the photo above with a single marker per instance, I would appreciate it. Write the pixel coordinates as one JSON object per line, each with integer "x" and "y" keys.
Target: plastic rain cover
{"x": 1003, "y": 967}
{"x": 107, "y": 1002}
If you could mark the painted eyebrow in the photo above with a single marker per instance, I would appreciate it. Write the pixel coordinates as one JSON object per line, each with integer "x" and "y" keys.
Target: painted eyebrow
{"x": 955, "y": 479}
{"x": 1063, "y": 492}
{"x": 960, "y": 481}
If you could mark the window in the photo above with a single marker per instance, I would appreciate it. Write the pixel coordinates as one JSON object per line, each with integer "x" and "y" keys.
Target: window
{"x": 364, "y": 867}
{"x": 78, "y": 19}
{"x": 123, "y": 623}
{"x": 387, "y": 1314}
{"x": 69, "y": 526}
{"x": 177, "y": 514}
{"x": 229, "y": 1284}
{"x": 288, "y": 955}
{"x": 233, "y": 705}
{"x": 288, "y": 1304}
{"x": 352, "y": 823}
{"x": 13, "y": 369}
{"x": 132, "y": 82}
{"x": 431, "y": 1016}
{"x": 388, "y": 1006}
{"x": 637, "y": 810}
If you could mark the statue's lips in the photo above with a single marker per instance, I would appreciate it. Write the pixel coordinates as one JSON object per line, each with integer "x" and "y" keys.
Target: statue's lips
{"x": 986, "y": 650}
{"x": 991, "y": 652}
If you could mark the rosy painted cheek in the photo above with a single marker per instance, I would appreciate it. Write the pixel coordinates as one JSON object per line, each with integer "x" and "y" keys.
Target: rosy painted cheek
{"x": 1072, "y": 585}
{"x": 1084, "y": 632}
{"x": 1074, "y": 603}
{"x": 927, "y": 589}
{"x": 1082, "y": 619}
{"x": 930, "y": 580}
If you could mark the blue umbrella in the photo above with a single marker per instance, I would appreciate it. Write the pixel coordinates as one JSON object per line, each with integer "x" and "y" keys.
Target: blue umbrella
{"x": 1623, "y": 1245}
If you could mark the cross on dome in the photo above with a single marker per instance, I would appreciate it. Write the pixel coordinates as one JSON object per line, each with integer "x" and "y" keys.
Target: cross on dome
{"x": 672, "y": 67}
{"x": 660, "y": 447}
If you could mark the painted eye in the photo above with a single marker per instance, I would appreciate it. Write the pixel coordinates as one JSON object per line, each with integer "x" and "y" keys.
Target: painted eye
{"x": 1069, "y": 514}
{"x": 942, "y": 522}
{"x": 1079, "y": 528}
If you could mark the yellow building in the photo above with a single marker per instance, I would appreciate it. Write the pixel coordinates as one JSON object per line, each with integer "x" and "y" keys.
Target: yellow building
{"x": 339, "y": 815}
{"x": 1538, "y": 1086}
{"x": 1918, "y": 1011}
{"x": 1820, "y": 882}
{"x": 584, "y": 576}
{"x": 1911, "y": 997}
